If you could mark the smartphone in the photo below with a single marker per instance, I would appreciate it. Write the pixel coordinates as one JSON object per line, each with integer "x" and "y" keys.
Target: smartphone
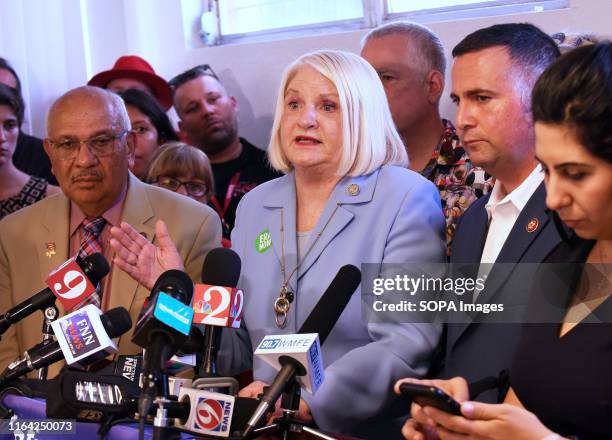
{"x": 427, "y": 395}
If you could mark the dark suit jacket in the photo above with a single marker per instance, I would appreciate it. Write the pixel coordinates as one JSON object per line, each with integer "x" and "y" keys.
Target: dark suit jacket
{"x": 478, "y": 350}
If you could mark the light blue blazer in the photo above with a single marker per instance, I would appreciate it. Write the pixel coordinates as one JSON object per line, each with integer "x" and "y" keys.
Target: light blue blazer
{"x": 395, "y": 217}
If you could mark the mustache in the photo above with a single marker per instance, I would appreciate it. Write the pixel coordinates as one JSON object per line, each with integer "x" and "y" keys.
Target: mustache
{"x": 86, "y": 174}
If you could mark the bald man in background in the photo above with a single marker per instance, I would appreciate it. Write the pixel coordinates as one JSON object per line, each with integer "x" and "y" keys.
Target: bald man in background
{"x": 91, "y": 147}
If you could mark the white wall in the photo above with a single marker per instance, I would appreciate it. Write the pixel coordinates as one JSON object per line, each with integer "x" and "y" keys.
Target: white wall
{"x": 59, "y": 44}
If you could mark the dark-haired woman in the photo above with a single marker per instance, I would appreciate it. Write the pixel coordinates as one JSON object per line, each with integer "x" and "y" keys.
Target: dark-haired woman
{"x": 560, "y": 377}
{"x": 151, "y": 126}
{"x": 17, "y": 189}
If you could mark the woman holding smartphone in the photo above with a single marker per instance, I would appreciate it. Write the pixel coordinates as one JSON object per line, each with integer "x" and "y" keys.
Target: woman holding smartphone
{"x": 560, "y": 378}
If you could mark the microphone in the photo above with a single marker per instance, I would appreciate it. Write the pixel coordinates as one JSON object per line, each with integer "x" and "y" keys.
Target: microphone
{"x": 323, "y": 317}
{"x": 217, "y": 303}
{"x": 129, "y": 367}
{"x": 73, "y": 277}
{"x": 188, "y": 355}
{"x": 208, "y": 413}
{"x": 162, "y": 328}
{"x": 91, "y": 397}
{"x": 84, "y": 334}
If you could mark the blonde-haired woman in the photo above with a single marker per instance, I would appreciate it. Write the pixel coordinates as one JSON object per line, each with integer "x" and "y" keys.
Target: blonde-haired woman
{"x": 183, "y": 169}
{"x": 346, "y": 198}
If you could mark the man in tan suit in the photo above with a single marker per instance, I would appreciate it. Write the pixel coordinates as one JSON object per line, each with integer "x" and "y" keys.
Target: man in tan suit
{"x": 91, "y": 146}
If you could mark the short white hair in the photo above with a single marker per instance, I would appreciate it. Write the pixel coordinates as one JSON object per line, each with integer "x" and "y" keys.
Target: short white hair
{"x": 369, "y": 137}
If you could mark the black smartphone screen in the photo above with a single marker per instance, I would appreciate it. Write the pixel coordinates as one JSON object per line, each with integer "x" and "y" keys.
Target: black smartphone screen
{"x": 426, "y": 395}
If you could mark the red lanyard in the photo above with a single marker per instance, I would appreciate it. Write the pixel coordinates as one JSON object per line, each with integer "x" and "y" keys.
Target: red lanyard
{"x": 228, "y": 197}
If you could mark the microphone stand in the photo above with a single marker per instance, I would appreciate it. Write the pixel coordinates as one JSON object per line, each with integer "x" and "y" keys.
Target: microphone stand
{"x": 288, "y": 423}
{"x": 162, "y": 428}
{"x": 212, "y": 336}
{"x": 51, "y": 313}
{"x": 157, "y": 381}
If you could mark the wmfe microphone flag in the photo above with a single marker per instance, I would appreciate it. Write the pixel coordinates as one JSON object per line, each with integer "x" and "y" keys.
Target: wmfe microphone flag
{"x": 70, "y": 283}
{"x": 82, "y": 336}
{"x": 295, "y": 354}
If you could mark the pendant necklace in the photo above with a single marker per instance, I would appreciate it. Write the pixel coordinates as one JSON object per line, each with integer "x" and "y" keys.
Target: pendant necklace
{"x": 282, "y": 304}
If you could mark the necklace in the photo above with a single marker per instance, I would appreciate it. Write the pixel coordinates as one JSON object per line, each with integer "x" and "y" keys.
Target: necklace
{"x": 282, "y": 304}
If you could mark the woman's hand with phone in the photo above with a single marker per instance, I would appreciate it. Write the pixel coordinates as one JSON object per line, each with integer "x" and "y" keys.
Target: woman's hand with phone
{"x": 421, "y": 426}
{"x": 484, "y": 421}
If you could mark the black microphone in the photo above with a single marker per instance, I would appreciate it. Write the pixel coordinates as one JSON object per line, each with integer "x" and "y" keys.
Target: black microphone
{"x": 193, "y": 344}
{"x": 221, "y": 268}
{"x": 95, "y": 267}
{"x": 116, "y": 322}
{"x": 322, "y": 318}
{"x": 162, "y": 328}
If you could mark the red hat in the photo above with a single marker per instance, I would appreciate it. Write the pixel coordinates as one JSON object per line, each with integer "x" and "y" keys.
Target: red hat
{"x": 132, "y": 66}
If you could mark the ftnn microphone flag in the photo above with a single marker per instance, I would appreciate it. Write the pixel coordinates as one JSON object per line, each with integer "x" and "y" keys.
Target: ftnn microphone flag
{"x": 82, "y": 337}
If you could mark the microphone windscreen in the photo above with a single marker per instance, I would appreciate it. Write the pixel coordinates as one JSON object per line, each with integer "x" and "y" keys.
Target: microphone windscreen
{"x": 116, "y": 322}
{"x": 95, "y": 267}
{"x": 221, "y": 268}
{"x": 333, "y": 301}
{"x": 175, "y": 283}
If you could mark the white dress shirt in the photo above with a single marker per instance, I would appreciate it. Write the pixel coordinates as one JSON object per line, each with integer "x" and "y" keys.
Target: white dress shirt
{"x": 503, "y": 211}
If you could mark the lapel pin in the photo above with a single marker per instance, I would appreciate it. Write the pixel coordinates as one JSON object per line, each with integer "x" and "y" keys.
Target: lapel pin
{"x": 51, "y": 248}
{"x": 353, "y": 189}
{"x": 532, "y": 225}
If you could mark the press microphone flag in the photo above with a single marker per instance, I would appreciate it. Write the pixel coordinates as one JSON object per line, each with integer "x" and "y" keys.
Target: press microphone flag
{"x": 167, "y": 312}
{"x": 79, "y": 341}
{"x": 81, "y": 335}
{"x": 75, "y": 276}
{"x": 323, "y": 317}
{"x": 218, "y": 306}
{"x": 217, "y": 303}
{"x": 304, "y": 348}
{"x": 70, "y": 285}
{"x": 210, "y": 413}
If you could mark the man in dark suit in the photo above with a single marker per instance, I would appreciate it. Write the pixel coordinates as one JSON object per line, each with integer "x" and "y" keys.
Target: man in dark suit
{"x": 493, "y": 73}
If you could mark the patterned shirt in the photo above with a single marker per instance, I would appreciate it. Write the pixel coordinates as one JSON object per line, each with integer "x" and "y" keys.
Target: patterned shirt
{"x": 34, "y": 190}
{"x": 457, "y": 179}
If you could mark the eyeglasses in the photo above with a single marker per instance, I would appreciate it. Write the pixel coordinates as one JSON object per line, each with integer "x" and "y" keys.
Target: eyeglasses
{"x": 195, "y": 189}
{"x": 193, "y": 73}
{"x": 100, "y": 146}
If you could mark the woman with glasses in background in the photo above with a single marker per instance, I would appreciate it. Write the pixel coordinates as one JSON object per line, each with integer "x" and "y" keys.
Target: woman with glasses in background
{"x": 183, "y": 169}
{"x": 151, "y": 126}
{"x": 17, "y": 189}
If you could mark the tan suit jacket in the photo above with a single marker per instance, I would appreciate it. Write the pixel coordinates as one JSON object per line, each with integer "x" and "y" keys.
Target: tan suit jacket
{"x": 24, "y": 263}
